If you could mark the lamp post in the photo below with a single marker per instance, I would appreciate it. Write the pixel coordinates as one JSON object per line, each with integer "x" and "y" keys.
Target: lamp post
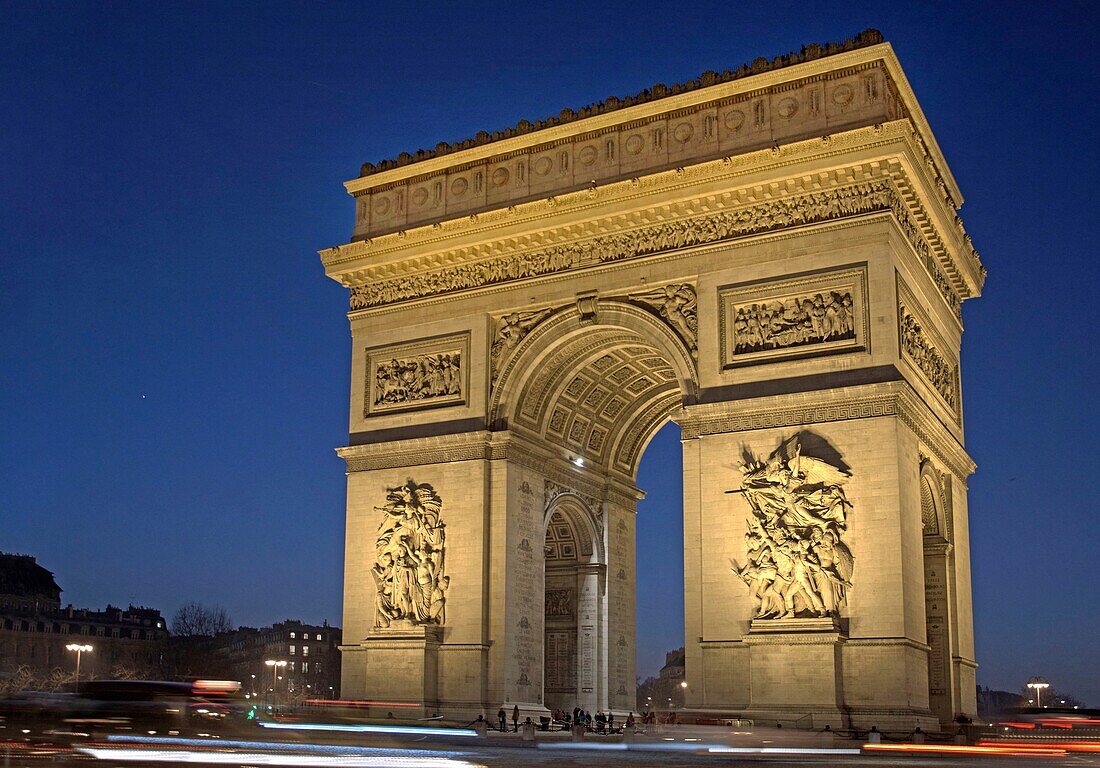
{"x": 78, "y": 648}
{"x": 274, "y": 664}
{"x": 1038, "y": 684}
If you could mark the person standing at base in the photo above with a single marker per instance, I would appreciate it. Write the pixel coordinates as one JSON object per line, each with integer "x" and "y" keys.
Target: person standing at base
{"x": 500, "y": 716}
{"x": 515, "y": 719}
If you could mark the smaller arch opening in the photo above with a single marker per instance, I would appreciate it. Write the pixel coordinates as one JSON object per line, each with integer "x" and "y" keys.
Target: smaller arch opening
{"x": 571, "y": 594}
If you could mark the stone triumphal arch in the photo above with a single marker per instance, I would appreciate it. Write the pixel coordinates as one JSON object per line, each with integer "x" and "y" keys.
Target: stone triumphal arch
{"x": 772, "y": 258}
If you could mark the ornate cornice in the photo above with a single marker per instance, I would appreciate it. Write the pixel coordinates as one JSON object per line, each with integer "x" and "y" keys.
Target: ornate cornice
{"x": 405, "y": 266}
{"x": 486, "y": 445}
{"x": 895, "y": 399}
{"x": 760, "y": 65}
{"x": 419, "y": 451}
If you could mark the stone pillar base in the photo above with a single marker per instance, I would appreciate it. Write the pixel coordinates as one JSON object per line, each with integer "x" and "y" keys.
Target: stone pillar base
{"x": 402, "y": 663}
{"x": 796, "y": 660}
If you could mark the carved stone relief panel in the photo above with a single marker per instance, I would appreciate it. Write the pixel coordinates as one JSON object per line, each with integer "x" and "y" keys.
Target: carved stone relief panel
{"x": 798, "y": 317}
{"x": 419, "y": 374}
{"x": 798, "y": 563}
{"x": 559, "y": 602}
{"x": 408, "y": 565}
{"x": 920, "y": 344}
{"x": 675, "y": 304}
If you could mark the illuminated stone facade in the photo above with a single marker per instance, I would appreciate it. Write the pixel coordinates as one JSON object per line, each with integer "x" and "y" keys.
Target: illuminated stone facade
{"x": 770, "y": 257}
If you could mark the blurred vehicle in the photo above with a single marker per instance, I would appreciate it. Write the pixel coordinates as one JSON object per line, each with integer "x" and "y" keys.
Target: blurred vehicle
{"x": 149, "y": 707}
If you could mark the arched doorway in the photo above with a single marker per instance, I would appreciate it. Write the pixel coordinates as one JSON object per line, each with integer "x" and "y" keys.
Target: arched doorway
{"x": 574, "y": 579}
{"x": 938, "y": 589}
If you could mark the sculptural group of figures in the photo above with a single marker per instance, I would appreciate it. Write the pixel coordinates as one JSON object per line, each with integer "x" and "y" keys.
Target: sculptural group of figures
{"x": 798, "y": 563}
{"x": 935, "y": 367}
{"x": 408, "y": 568}
{"x": 793, "y": 322}
{"x": 417, "y": 378}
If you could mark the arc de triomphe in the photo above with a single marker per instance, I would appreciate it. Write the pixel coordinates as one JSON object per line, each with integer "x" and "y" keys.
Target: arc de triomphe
{"x": 770, "y": 257}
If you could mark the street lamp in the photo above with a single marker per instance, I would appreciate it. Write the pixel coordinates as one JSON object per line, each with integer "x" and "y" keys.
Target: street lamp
{"x": 274, "y": 664}
{"x": 1038, "y": 684}
{"x": 78, "y": 648}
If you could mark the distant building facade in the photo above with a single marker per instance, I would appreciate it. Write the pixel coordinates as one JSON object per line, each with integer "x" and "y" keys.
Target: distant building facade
{"x": 34, "y": 628}
{"x": 310, "y": 651}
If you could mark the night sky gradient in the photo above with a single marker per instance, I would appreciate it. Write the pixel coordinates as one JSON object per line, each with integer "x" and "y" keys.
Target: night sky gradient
{"x": 174, "y": 365}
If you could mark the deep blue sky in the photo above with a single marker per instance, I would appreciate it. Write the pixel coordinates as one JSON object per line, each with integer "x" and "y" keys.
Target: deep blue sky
{"x": 174, "y": 365}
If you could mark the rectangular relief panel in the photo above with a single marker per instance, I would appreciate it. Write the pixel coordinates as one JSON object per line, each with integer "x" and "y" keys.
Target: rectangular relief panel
{"x": 426, "y": 373}
{"x": 921, "y": 345}
{"x": 802, "y": 316}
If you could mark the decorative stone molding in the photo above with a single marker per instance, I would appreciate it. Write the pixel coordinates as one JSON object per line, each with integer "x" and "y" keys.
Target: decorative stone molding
{"x": 852, "y": 200}
{"x": 414, "y": 452}
{"x": 408, "y": 568}
{"x": 419, "y": 374}
{"x": 941, "y": 243}
{"x": 763, "y": 322}
{"x": 553, "y": 490}
{"x": 896, "y": 399}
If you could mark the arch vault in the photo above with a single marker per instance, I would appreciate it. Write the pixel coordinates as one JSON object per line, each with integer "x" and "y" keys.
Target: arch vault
{"x": 771, "y": 257}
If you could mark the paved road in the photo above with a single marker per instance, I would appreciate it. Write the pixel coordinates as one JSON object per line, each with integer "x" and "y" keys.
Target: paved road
{"x": 493, "y": 752}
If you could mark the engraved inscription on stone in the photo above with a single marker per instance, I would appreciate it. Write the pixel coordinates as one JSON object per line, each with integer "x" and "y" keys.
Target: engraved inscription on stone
{"x": 935, "y": 596}
{"x": 561, "y": 660}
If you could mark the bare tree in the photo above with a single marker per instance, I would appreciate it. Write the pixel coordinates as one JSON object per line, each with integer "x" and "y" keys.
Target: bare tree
{"x": 197, "y": 620}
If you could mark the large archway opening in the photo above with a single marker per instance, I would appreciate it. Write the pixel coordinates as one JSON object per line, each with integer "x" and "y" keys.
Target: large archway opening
{"x": 593, "y": 395}
{"x": 660, "y": 582}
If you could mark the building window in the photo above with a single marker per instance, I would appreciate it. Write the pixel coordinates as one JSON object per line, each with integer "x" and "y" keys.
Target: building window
{"x": 318, "y": 635}
{"x": 291, "y": 635}
{"x": 305, "y": 666}
{"x": 292, "y": 650}
{"x": 317, "y": 668}
{"x": 305, "y": 650}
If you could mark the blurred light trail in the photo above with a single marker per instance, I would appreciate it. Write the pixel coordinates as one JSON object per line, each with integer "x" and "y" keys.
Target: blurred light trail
{"x": 955, "y": 749}
{"x": 357, "y": 703}
{"x": 266, "y": 758}
{"x": 390, "y": 729}
{"x": 696, "y": 747}
{"x": 274, "y": 746}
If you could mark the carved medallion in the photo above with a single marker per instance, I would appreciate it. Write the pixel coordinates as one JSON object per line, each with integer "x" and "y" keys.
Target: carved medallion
{"x": 409, "y": 567}
{"x": 798, "y": 564}
{"x": 635, "y": 144}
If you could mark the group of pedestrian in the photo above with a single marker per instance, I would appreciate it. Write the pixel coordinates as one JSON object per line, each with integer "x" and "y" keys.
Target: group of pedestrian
{"x": 515, "y": 720}
{"x": 601, "y": 722}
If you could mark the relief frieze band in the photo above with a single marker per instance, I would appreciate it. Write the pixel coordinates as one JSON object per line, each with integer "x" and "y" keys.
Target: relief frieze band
{"x": 855, "y": 199}
{"x": 420, "y": 374}
{"x": 793, "y": 318}
{"x": 919, "y": 344}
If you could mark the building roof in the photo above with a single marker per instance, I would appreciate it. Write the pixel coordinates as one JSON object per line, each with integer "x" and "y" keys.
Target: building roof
{"x": 810, "y": 52}
{"x": 21, "y": 575}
